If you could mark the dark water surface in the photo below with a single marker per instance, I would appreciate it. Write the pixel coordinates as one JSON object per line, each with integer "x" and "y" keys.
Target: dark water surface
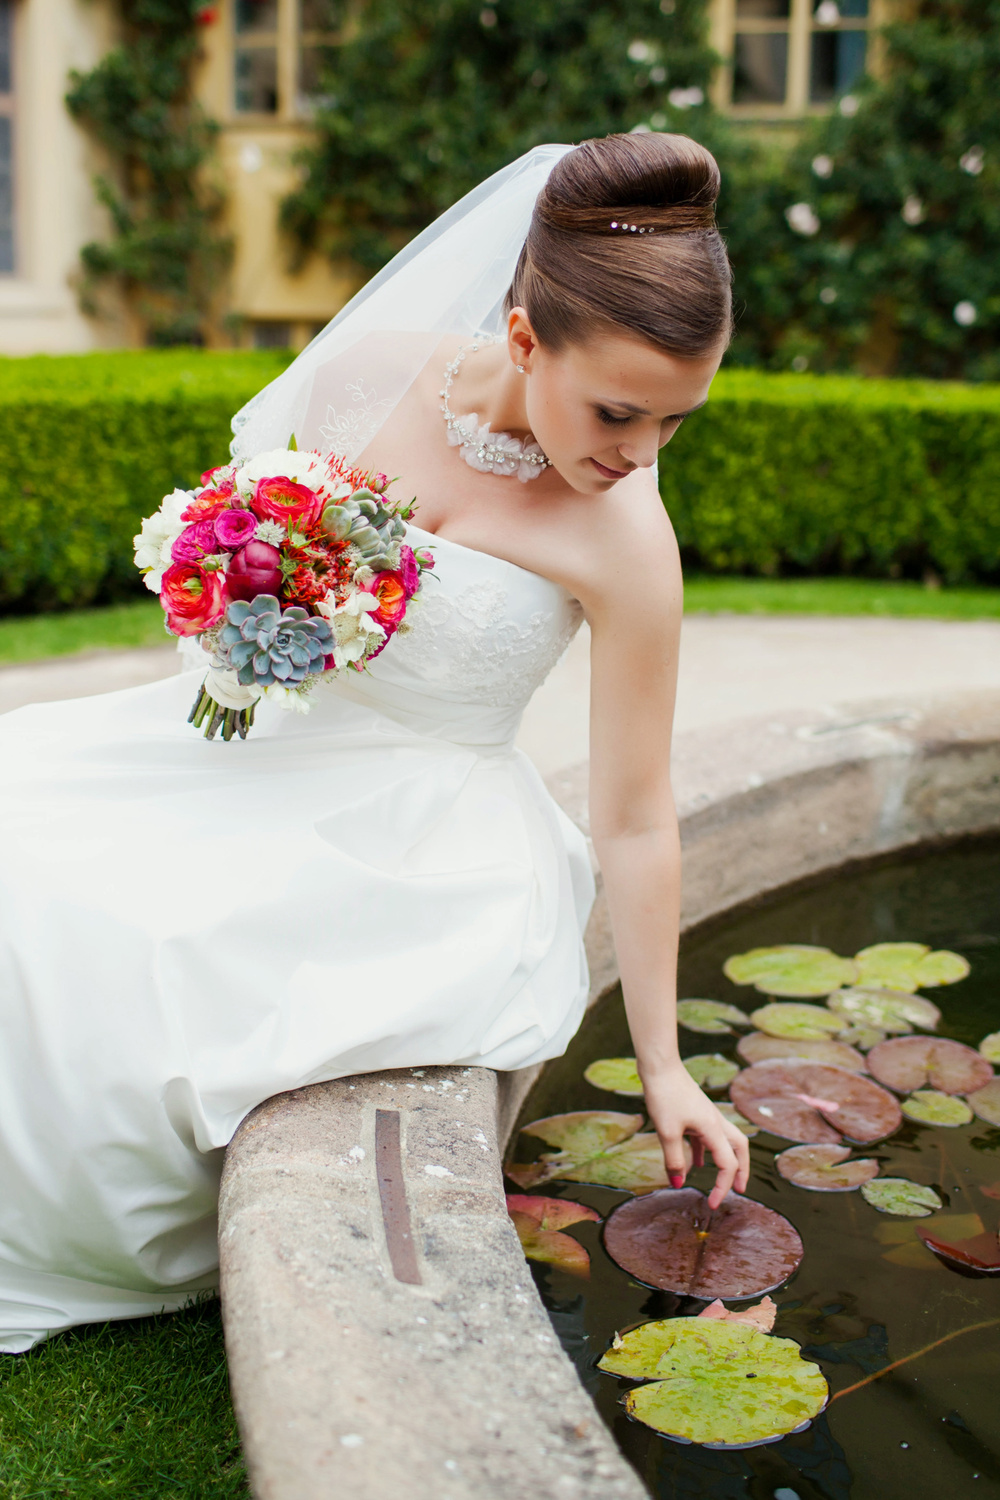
{"x": 866, "y": 1293}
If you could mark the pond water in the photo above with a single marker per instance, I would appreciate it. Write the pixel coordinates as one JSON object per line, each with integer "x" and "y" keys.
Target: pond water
{"x": 867, "y": 1292}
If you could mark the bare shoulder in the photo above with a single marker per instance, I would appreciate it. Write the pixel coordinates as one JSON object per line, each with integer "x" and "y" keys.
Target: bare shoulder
{"x": 627, "y": 551}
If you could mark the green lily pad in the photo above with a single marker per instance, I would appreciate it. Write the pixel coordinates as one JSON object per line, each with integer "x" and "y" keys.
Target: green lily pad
{"x": 886, "y": 1010}
{"x": 798, "y": 1022}
{"x": 990, "y": 1047}
{"x": 731, "y": 1113}
{"x": 825, "y": 1169}
{"x": 598, "y": 1146}
{"x": 717, "y": 1382}
{"x": 986, "y": 1102}
{"x": 538, "y": 1222}
{"x": 711, "y": 1071}
{"x": 797, "y": 970}
{"x": 618, "y": 1075}
{"x": 933, "y": 1108}
{"x": 758, "y": 1047}
{"x": 897, "y": 1195}
{"x": 908, "y": 966}
{"x": 864, "y": 1038}
{"x": 710, "y": 1017}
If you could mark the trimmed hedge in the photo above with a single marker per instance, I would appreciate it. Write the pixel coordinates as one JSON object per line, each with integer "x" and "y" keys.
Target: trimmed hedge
{"x": 826, "y": 474}
{"x": 779, "y": 473}
{"x": 90, "y": 443}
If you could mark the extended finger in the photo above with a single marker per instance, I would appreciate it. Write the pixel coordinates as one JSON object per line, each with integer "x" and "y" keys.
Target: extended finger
{"x": 741, "y": 1146}
{"x": 675, "y": 1158}
{"x": 728, "y": 1164}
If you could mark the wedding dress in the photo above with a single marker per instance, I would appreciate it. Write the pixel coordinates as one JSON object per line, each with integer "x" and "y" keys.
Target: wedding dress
{"x": 188, "y": 927}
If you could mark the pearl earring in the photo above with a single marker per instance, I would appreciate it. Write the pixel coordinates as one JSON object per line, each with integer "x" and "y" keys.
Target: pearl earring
{"x": 520, "y": 369}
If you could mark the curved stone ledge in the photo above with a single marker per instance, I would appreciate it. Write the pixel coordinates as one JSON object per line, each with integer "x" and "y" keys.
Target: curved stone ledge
{"x": 349, "y": 1380}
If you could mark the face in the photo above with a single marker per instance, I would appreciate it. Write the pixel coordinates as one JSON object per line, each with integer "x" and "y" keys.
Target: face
{"x": 604, "y": 408}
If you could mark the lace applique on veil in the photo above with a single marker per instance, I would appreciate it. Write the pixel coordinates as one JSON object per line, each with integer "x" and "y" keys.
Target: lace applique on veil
{"x": 351, "y": 429}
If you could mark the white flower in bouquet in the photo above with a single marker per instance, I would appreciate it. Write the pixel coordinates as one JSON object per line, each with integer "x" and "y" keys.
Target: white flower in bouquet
{"x": 305, "y": 468}
{"x": 288, "y": 698}
{"x": 158, "y": 534}
{"x": 354, "y": 632}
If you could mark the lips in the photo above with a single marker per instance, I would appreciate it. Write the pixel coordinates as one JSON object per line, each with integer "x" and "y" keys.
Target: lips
{"x": 607, "y": 473}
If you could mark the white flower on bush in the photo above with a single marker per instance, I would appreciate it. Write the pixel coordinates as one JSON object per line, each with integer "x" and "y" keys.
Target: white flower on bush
{"x": 913, "y": 211}
{"x": 965, "y": 314}
{"x": 972, "y": 161}
{"x": 158, "y": 534}
{"x": 849, "y": 105}
{"x": 802, "y": 218}
{"x": 353, "y": 630}
{"x": 686, "y": 98}
{"x": 640, "y": 52}
{"x": 283, "y": 463}
{"x": 823, "y": 166}
{"x": 828, "y": 294}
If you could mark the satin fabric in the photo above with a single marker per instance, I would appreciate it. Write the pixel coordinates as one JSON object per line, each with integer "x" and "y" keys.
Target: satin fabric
{"x": 188, "y": 927}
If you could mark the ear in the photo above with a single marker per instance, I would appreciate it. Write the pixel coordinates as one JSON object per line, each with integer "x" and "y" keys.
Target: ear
{"x": 521, "y": 340}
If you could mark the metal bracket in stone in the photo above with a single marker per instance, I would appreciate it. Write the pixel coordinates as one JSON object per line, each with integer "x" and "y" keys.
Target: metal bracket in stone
{"x": 383, "y": 1330}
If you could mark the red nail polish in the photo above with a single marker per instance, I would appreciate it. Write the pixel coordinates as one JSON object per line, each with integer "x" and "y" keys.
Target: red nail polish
{"x": 676, "y": 1179}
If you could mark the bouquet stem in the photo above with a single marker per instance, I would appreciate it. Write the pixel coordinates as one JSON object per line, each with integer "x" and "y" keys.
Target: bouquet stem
{"x": 232, "y": 721}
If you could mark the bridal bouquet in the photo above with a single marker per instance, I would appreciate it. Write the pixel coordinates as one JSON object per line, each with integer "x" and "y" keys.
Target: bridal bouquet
{"x": 285, "y": 567}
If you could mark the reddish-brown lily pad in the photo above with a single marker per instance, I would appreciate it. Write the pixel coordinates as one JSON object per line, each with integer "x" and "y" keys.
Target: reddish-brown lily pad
{"x": 907, "y": 1063}
{"x": 759, "y": 1047}
{"x": 672, "y": 1240}
{"x": 986, "y": 1102}
{"x": 979, "y": 1253}
{"x": 538, "y": 1222}
{"x": 825, "y": 1169}
{"x": 812, "y": 1103}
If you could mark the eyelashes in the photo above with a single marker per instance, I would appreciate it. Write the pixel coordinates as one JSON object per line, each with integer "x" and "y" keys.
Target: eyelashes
{"x": 612, "y": 421}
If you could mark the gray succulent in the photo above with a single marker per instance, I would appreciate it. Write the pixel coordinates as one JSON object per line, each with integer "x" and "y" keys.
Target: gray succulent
{"x": 363, "y": 521}
{"x": 265, "y": 646}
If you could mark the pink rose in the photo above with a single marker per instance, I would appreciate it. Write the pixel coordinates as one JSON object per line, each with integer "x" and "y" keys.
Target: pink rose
{"x": 195, "y": 542}
{"x": 408, "y": 571}
{"x": 254, "y": 570}
{"x": 234, "y": 528}
{"x": 391, "y": 594}
{"x": 193, "y": 598}
{"x": 283, "y": 500}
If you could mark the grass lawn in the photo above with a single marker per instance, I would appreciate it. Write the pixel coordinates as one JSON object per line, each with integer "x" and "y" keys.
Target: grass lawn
{"x": 139, "y": 1410}
{"x": 34, "y": 637}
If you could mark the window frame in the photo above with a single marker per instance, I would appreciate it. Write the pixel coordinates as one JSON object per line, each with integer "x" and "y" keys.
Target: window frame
{"x": 800, "y": 29}
{"x": 8, "y": 109}
{"x": 289, "y": 43}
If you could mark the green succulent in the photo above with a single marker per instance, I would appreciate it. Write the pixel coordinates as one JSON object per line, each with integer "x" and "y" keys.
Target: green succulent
{"x": 268, "y": 648}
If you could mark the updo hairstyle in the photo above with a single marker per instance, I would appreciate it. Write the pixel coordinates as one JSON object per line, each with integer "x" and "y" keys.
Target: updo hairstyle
{"x": 623, "y": 239}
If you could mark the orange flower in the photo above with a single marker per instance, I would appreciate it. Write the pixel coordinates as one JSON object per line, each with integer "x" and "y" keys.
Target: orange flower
{"x": 390, "y": 592}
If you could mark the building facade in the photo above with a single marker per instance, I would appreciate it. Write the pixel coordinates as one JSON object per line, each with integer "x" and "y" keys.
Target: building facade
{"x": 783, "y": 59}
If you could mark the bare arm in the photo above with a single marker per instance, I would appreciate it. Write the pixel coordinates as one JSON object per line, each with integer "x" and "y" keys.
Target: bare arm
{"x": 635, "y": 623}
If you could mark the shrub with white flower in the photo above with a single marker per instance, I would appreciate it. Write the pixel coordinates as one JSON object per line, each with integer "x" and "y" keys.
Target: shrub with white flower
{"x": 822, "y": 166}
{"x": 802, "y": 218}
{"x": 686, "y": 98}
{"x": 965, "y": 314}
{"x": 913, "y": 211}
{"x": 973, "y": 161}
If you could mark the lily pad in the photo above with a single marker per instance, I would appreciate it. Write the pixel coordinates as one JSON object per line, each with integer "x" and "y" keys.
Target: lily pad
{"x": 710, "y": 1017}
{"x": 933, "y": 1108}
{"x": 908, "y": 966}
{"x": 815, "y": 1104}
{"x": 981, "y": 1252}
{"x": 618, "y": 1075}
{"x": 716, "y": 1382}
{"x": 731, "y": 1113}
{"x": 598, "y": 1146}
{"x": 538, "y": 1222}
{"x": 759, "y": 1047}
{"x": 908, "y": 1249}
{"x": 905, "y": 1063}
{"x": 862, "y": 1037}
{"x": 798, "y": 1022}
{"x": 825, "y": 1169}
{"x": 888, "y": 1010}
{"x": 990, "y": 1047}
{"x": 711, "y": 1071}
{"x": 673, "y": 1240}
{"x": 897, "y": 1195}
{"x": 797, "y": 970}
{"x": 986, "y": 1102}
{"x": 761, "y": 1315}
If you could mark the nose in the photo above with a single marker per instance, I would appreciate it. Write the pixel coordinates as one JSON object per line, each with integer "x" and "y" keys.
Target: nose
{"x": 641, "y": 451}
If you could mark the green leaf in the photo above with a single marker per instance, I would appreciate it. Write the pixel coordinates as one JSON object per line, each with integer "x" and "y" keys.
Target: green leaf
{"x": 798, "y": 970}
{"x": 884, "y": 1010}
{"x": 717, "y": 1382}
{"x": 732, "y": 1114}
{"x": 897, "y": 1195}
{"x": 825, "y": 1169}
{"x": 711, "y": 1071}
{"x": 618, "y": 1075}
{"x": 908, "y": 966}
{"x": 933, "y": 1108}
{"x": 986, "y": 1102}
{"x": 862, "y": 1037}
{"x": 710, "y": 1017}
{"x": 598, "y": 1146}
{"x": 806, "y": 1022}
{"x": 990, "y": 1047}
{"x": 538, "y": 1222}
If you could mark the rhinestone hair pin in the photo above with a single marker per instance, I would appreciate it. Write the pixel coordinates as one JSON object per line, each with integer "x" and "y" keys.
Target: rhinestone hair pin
{"x": 631, "y": 228}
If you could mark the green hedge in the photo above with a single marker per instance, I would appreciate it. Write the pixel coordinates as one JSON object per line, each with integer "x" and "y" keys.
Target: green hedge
{"x": 820, "y": 474}
{"x": 90, "y": 443}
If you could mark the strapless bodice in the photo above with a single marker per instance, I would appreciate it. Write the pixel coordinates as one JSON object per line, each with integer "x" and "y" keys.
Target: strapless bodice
{"x": 484, "y": 634}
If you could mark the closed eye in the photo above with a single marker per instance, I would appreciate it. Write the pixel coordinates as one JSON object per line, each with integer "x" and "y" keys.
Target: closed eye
{"x": 610, "y": 420}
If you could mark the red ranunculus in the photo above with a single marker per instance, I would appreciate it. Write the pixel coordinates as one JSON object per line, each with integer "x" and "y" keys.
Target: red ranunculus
{"x": 283, "y": 500}
{"x": 195, "y": 542}
{"x": 234, "y": 528}
{"x": 391, "y": 595}
{"x": 408, "y": 571}
{"x": 254, "y": 570}
{"x": 193, "y": 598}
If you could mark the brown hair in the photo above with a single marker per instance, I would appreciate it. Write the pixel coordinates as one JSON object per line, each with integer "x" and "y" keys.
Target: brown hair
{"x": 623, "y": 237}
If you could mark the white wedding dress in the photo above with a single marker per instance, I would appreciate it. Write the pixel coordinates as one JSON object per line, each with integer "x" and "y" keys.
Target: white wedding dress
{"x": 188, "y": 927}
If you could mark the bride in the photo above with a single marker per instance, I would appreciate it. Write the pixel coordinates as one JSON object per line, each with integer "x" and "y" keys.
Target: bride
{"x": 188, "y": 927}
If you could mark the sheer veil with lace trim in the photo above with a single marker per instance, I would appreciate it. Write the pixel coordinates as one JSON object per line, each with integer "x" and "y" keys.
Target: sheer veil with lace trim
{"x": 452, "y": 278}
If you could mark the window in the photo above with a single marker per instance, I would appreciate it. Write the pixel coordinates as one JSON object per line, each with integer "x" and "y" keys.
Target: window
{"x": 6, "y": 136}
{"x": 279, "y": 51}
{"x": 787, "y": 57}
